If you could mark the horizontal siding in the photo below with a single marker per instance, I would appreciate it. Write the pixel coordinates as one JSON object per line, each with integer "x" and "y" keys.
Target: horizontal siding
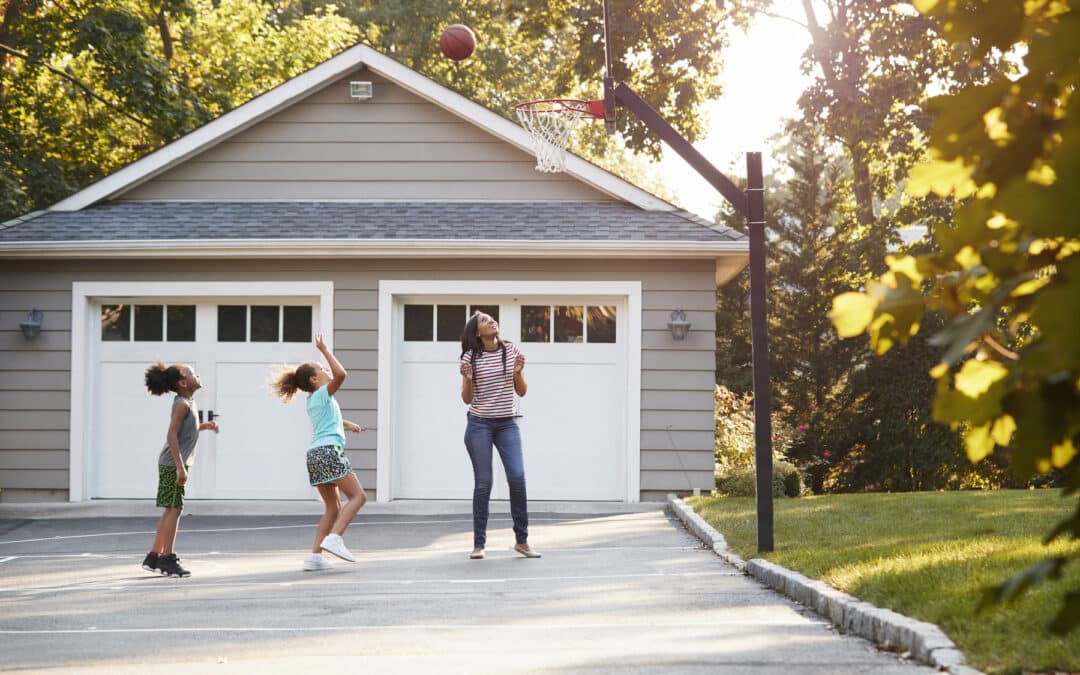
{"x": 677, "y": 377}
{"x": 394, "y": 146}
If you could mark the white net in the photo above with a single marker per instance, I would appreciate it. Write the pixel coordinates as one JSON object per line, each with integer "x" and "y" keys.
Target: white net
{"x": 550, "y": 123}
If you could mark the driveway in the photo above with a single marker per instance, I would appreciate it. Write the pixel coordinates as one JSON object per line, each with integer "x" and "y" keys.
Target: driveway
{"x": 621, "y": 592}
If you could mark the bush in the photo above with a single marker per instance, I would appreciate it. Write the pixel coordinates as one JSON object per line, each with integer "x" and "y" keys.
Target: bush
{"x": 741, "y": 481}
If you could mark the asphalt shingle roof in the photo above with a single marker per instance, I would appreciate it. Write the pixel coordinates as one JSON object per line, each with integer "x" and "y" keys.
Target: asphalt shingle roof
{"x": 539, "y": 221}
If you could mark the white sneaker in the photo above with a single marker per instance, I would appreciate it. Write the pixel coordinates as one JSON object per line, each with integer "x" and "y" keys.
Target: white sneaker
{"x": 315, "y": 562}
{"x": 333, "y": 543}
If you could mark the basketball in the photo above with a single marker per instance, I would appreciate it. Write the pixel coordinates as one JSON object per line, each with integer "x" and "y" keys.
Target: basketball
{"x": 457, "y": 42}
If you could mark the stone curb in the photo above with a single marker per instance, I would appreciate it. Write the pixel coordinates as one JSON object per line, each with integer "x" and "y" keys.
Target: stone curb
{"x": 924, "y": 641}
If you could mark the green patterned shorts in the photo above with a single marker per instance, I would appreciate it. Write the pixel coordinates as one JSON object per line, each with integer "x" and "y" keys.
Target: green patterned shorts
{"x": 168, "y": 492}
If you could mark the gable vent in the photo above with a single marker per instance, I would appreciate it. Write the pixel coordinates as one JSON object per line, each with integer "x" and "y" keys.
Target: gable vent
{"x": 361, "y": 91}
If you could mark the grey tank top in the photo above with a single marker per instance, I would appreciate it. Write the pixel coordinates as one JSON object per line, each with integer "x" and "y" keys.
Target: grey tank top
{"x": 188, "y": 435}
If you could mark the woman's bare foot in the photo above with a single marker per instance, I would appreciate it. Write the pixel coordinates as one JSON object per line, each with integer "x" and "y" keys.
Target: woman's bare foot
{"x": 477, "y": 554}
{"x": 524, "y": 550}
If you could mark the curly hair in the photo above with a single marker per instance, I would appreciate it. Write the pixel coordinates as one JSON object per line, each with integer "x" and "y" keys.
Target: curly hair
{"x": 160, "y": 378}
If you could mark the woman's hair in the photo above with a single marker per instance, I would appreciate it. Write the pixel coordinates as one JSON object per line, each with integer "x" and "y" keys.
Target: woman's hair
{"x": 160, "y": 378}
{"x": 470, "y": 343}
{"x": 289, "y": 380}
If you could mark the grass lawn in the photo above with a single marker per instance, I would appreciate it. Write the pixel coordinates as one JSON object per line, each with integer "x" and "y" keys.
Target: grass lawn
{"x": 927, "y": 555}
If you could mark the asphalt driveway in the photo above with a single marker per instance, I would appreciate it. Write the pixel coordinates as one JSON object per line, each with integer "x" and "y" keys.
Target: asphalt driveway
{"x": 616, "y": 592}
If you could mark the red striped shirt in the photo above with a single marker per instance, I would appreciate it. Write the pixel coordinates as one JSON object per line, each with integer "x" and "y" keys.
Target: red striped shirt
{"x": 493, "y": 389}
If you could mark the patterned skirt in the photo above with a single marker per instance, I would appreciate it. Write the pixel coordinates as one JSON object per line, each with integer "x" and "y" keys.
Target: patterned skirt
{"x": 326, "y": 464}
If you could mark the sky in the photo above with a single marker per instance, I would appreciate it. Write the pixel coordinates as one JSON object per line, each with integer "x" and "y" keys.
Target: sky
{"x": 762, "y": 83}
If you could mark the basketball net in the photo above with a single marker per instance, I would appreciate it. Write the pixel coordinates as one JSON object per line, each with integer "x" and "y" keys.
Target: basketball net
{"x": 550, "y": 123}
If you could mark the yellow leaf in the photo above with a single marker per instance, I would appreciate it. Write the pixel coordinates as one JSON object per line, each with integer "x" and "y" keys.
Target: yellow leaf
{"x": 996, "y": 128}
{"x": 978, "y": 443}
{"x": 1041, "y": 173}
{"x": 967, "y": 257}
{"x": 852, "y": 313}
{"x": 925, "y": 6}
{"x": 976, "y": 377}
{"x": 1029, "y": 287}
{"x": 1000, "y": 220}
{"x": 1003, "y": 429}
{"x": 1062, "y": 453}
{"x": 939, "y": 370}
{"x": 905, "y": 264}
{"x": 941, "y": 177}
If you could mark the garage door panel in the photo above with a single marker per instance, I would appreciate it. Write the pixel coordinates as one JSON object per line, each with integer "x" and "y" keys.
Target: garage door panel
{"x": 432, "y": 462}
{"x": 573, "y": 448}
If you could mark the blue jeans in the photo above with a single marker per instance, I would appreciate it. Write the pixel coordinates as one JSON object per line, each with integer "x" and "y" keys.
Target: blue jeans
{"x": 480, "y": 434}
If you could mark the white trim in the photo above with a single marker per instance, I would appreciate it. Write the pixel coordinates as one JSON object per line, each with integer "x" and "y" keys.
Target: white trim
{"x": 306, "y": 83}
{"x": 631, "y": 290}
{"x": 381, "y": 248}
{"x": 81, "y": 327}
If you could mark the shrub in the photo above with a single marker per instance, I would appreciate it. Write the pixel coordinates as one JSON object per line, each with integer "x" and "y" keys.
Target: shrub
{"x": 741, "y": 481}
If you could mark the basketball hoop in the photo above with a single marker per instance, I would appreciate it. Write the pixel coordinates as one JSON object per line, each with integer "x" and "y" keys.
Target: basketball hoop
{"x": 550, "y": 123}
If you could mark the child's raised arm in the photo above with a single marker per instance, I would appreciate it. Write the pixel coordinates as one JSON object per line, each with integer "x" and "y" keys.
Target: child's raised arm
{"x": 337, "y": 371}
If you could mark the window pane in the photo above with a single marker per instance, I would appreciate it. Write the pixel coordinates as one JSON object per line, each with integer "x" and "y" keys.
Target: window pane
{"x": 149, "y": 323}
{"x": 451, "y": 319}
{"x": 115, "y": 323}
{"x": 568, "y": 324}
{"x": 232, "y": 323}
{"x": 180, "y": 323}
{"x": 602, "y": 324}
{"x": 535, "y": 323}
{"x": 490, "y": 310}
{"x": 418, "y": 323}
{"x": 297, "y": 324}
{"x": 264, "y": 323}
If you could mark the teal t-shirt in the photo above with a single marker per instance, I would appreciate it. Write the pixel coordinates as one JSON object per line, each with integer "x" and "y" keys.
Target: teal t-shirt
{"x": 325, "y": 416}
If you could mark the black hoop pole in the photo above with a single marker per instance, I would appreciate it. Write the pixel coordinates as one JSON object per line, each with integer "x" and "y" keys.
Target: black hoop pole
{"x": 759, "y": 338}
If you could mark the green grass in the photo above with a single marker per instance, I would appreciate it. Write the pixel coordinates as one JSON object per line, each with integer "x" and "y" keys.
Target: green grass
{"x": 927, "y": 555}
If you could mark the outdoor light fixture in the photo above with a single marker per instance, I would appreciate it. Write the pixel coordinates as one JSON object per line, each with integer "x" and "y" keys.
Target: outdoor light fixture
{"x": 32, "y": 325}
{"x": 678, "y": 325}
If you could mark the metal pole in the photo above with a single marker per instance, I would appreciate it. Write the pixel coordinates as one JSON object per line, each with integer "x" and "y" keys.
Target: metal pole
{"x": 759, "y": 328}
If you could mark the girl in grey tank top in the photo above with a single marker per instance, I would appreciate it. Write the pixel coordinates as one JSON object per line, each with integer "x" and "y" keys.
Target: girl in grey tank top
{"x": 174, "y": 460}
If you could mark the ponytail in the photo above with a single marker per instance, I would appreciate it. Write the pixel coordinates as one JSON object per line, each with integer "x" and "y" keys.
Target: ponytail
{"x": 160, "y": 379}
{"x": 290, "y": 380}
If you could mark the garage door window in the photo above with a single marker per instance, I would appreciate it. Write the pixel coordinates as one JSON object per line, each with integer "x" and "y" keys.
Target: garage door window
{"x": 147, "y": 323}
{"x": 564, "y": 323}
{"x": 264, "y": 323}
{"x": 441, "y": 323}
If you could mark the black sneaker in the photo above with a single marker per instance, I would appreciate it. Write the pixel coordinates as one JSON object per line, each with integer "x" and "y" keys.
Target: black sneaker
{"x": 169, "y": 565}
{"x": 150, "y": 562}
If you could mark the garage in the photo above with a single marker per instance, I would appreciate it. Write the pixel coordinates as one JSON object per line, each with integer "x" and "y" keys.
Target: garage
{"x": 575, "y": 420}
{"x": 233, "y": 342}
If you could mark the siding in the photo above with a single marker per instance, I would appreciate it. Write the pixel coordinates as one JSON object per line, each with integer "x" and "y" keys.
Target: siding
{"x": 394, "y": 146}
{"x": 677, "y": 377}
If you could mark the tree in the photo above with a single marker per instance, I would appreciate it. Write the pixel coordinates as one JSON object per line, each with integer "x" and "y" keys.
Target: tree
{"x": 1006, "y": 275}
{"x": 88, "y": 87}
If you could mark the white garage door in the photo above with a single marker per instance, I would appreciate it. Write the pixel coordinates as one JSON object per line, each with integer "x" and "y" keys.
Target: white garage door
{"x": 233, "y": 344}
{"x": 572, "y": 420}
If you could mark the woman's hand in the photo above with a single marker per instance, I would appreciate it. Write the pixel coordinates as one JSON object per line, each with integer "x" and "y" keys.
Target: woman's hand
{"x": 519, "y": 363}
{"x": 352, "y": 426}
{"x": 209, "y": 426}
{"x": 466, "y": 370}
{"x": 181, "y": 476}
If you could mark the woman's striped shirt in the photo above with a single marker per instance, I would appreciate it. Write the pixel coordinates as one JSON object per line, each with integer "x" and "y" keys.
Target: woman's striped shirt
{"x": 493, "y": 389}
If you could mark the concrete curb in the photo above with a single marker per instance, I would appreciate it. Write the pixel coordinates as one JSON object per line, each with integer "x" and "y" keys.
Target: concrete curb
{"x": 924, "y": 641}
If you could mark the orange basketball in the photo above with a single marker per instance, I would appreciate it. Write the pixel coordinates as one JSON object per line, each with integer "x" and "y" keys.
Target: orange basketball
{"x": 457, "y": 42}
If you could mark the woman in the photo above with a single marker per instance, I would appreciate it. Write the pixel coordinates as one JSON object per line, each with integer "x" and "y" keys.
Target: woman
{"x": 492, "y": 371}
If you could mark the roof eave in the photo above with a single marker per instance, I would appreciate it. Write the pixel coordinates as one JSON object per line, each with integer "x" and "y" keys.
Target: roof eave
{"x": 368, "y": 248}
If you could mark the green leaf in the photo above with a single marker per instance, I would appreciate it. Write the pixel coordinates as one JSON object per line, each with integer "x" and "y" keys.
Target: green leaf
{"x": 1068, "y": 618}
{"x": 1017, "y": 584}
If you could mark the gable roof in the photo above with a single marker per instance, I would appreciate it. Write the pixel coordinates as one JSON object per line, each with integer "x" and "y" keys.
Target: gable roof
{"x": 311, "y": 81}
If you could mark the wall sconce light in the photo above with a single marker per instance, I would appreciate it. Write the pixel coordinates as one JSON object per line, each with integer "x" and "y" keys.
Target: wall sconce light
{"x": 678, "y": 325}
{"x": 32, "y": 325}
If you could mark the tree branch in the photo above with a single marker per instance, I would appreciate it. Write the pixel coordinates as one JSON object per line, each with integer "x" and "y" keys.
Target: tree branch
{"x": 80, "y": 84}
